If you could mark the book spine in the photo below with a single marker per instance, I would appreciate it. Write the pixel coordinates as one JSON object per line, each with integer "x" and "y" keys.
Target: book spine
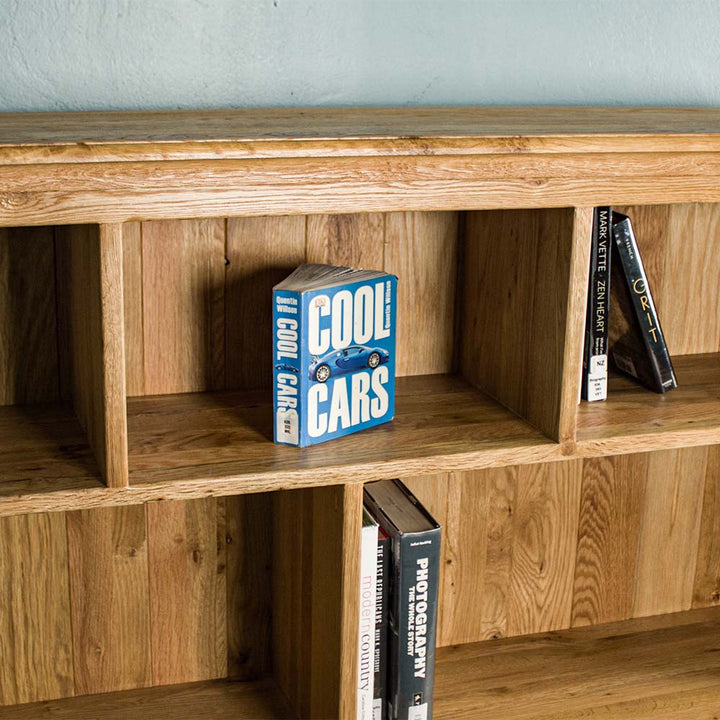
{"x": 381, "y": 628}
{"x": 663, "y": 375}
{"x": 366, "y": 626}
{"x": 413, "y": 621}
{"x": 595, "y": 370}
{"x": 288, "y": 381}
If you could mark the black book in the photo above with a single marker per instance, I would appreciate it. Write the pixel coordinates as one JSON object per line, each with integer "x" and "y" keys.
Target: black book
{"x": 382, "y": 607}
{"x": 594, "y": 385}
{"x": 637, "y": 344}
{"x": 415, "y": 542}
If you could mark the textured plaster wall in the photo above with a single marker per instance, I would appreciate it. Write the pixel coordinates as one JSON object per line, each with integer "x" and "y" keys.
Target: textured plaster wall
{"x": 96, "y": 54}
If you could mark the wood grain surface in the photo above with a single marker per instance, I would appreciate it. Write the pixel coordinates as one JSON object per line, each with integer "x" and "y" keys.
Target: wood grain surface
{"x": 28, "y": 317}
{"x": 225, "y": 449}
{"x": 182, "y": 305}
{"x": 36, "y": 647}
{"x": 609, "y": 527}
{"x": 663, "y": 667}
{"x": 117, "y": 136}
{"x": 108, "y": 565}
{"x": 249, "y": 539}
{"x": 530, "y": 548}
{"x": 122, "y": 192}
{"x": 517, "y": 271}
{"x": 634, "y": 419}
{"x": 90, "y": 313}
{"x": 316, "y": 577}
{"x": 260, "y": 253}
{"x": 484, "y": 216}
{"x": 707, "y": 570}
{"x": 200, "y": 701}
{"x": 509, "y": 544}
{"x": 188, "y": 596}
{"x": 422, "y": 250}
{"x": 440, "y": 421}
{"x": 680, "y": 246}
{"x": 670, "y": 528}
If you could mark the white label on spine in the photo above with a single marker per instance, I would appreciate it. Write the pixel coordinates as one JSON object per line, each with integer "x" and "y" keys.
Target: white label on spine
{"x": 418, "y": 712}
{"x": 597, "y": 378}
{"x": 366, "y": 627}
{"x": 377, "y": 709}
{"x": 287, "y": 427}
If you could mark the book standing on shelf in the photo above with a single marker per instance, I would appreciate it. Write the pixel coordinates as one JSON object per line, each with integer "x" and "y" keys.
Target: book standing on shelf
{"x": 595, "y": 370}
{"x": 415, "y": 542}
{"x": 382, "y": 607}
{"x": 367, "y": 614}
{"x": 333, "y": 353}
{"x": 637, "y": 343}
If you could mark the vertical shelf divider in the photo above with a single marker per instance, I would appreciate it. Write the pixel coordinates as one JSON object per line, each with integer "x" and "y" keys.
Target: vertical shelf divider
{"x": 316, "y": 576}
{"x": 90, "y": 309}
{"x": 522, "y": 269}
{"x": 575, "y": 327}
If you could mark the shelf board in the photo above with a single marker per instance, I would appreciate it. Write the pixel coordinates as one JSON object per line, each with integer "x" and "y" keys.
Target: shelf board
{"x": 664, "y": 667}
{"x": 219, "y": 443}
{"x": 634, "y": 419}
{"x": 44, "y": 450}
{"x": 200, "y": 701}
{"x": 202, "y": 444}
{"x": 50, "y": 138}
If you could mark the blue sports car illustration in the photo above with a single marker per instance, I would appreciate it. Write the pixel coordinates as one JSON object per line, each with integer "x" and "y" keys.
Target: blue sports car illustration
{"x": 284, "y": 367}
{"x": 347, "y": 360}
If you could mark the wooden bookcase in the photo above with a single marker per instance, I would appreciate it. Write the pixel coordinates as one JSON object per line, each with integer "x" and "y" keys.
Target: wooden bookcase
{"x": 160, "y": 556}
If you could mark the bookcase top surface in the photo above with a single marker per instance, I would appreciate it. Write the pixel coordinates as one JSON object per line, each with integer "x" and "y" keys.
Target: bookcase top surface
{"x": 188, "y": 134}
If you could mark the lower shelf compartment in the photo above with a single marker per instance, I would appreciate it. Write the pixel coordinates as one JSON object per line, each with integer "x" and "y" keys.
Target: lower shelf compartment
{"x": 664, "y": 668}
{"x": 199, "y": 701}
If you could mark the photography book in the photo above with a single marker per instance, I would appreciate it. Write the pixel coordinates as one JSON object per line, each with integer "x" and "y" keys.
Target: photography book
{"x": 595, "y": 358}
{"x": 333, "y": 353}
{"x": 415, "y": 572}
{"x": 366, "y": 622}
{"x": 637, "y": 344}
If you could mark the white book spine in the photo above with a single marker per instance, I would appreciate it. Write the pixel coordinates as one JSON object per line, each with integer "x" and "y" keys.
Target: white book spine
{"x": 366, "y": 627}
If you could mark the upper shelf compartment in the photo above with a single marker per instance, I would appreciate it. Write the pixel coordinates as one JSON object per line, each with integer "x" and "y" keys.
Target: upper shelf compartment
{"x": 482, "y": 344}
{"x": 680, "y": 248}
{"x": 115, "y": 167}
{"x": 59, "y": 351}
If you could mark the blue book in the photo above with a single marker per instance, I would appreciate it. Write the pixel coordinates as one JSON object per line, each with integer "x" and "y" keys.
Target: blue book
{"x": 333, "y": 353}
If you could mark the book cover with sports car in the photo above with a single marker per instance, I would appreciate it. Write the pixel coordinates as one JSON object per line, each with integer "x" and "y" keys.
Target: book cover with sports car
{"x": 333, "y": 353}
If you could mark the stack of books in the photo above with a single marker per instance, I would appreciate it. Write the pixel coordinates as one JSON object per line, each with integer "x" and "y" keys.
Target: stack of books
{"x": 622, "y": 321}
{"x": 400, "y": 569}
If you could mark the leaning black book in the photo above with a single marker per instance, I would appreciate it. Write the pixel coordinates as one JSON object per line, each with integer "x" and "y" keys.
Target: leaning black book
{"x": 594, "y": 385}
{"x": 415, "y": 542}
{"x": 637, "y": 343}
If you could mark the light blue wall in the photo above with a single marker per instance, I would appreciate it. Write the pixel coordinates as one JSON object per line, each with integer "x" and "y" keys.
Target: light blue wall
{"x": 114, "y": 54}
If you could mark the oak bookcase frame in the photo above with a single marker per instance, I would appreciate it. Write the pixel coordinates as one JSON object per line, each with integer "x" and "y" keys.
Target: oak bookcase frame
{"x": 151, "y": 534}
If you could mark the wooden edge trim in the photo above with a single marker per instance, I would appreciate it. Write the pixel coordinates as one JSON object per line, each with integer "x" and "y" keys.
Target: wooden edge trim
{"x": 113, "y": 355}
{"x": 574, "y": 328}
